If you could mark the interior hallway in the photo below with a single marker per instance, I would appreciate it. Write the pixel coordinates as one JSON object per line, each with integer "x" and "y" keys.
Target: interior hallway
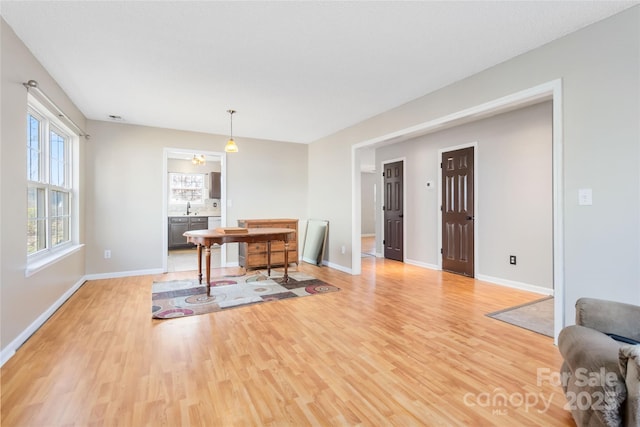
{"x": 368, "y": 246}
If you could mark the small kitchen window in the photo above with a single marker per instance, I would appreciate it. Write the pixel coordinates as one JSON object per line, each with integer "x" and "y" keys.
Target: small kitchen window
{"x": 186, "y": 187}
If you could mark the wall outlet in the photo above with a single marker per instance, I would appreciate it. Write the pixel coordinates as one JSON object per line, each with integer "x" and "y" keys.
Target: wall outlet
{"x": 585, "y": 197}
{"x": 107, "y": 253}
{"x": 512, "y": 259}
{"x": 343, "y": 249}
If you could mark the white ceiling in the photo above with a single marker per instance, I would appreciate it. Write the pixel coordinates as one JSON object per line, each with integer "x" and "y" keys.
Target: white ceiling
{"x": 295, "y": 71}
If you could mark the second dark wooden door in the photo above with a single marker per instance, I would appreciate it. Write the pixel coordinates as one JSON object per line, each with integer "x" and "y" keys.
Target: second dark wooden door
{"x": 458, "y": 211}
{"x": 393, "y": 211}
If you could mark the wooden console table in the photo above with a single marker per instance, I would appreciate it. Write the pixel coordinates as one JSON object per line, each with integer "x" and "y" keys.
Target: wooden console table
{"x": 208, "y": 238}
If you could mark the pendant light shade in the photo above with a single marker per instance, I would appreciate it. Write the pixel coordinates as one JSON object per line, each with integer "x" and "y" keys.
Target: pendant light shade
{"x": 231, "y": 146}
{"x": 198, "y": 160}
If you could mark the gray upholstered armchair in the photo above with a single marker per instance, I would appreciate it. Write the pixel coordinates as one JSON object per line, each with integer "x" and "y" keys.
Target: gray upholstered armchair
{"x": 601, "y": 369}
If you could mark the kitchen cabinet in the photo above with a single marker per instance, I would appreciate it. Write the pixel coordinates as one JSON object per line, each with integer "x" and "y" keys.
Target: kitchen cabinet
{"x": 215, "y": 186}
{"x": 179, "y": 224}
{"x": 254, "y": 255}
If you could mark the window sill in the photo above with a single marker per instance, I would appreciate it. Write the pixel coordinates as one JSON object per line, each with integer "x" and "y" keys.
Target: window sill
{"x": 44, "y": 262}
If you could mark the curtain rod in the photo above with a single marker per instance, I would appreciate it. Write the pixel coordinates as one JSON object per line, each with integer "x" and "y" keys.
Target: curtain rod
{"x": 32, "y": 84}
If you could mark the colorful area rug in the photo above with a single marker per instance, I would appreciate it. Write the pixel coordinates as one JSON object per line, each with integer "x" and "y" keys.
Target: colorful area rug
{"x": 179, "y": 298}
{"x": 537, "y": 316}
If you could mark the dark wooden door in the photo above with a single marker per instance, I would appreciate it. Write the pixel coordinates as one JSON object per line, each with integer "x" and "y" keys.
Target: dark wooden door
{"x": 393, "y": 214}
{"x": 458, "y": 211}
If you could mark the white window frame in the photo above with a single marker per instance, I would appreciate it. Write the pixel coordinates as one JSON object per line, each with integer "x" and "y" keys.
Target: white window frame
{"x": 53, "y": 252}
{"x": 204, "y": 190}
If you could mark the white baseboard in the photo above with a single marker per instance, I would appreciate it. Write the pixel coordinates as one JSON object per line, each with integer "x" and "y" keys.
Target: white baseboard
{"x": 376, "y": 255}
{"x": 422, "y": 264}
{"x": 517, "y": 285}
{"x": 14, "y": 345}
{"x": 494, "y": 280}
{"x": 337, "y": 267}
{"x": 117, "y": 274}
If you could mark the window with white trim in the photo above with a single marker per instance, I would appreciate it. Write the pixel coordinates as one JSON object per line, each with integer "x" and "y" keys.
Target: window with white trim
{"x": 186, "y": 187}
{"x": 49, "y": 183}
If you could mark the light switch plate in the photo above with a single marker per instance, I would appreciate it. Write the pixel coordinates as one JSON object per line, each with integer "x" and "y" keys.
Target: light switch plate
{"x": 585, "y": 197}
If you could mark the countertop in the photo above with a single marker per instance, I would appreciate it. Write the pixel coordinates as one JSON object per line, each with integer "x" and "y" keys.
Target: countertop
{"x": 196, "y": 215}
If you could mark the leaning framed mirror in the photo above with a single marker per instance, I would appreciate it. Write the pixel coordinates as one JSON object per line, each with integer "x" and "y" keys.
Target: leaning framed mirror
{"x": 314, "y": 241}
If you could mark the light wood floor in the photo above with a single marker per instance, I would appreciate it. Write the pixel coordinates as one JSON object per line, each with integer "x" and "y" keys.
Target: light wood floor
{"x": 368, "y": 245}
{"x": 397, "y": 346}
{"x": 187, "y": 260}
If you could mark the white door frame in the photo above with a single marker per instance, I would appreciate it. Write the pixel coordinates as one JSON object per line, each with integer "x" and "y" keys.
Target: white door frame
{"x": 166, "y": 155}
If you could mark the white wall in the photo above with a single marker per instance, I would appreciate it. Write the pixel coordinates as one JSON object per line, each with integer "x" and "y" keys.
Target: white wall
{"x": 513, "y": 162}
{"x": 25, "y": 300}
{"x": 600, "y": 71}
{"x": 265, "y": 179}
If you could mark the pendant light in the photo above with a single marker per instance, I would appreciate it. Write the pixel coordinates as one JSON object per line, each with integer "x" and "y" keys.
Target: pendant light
{"x": 231, "y": 146}
{"x": 198, "y": 160}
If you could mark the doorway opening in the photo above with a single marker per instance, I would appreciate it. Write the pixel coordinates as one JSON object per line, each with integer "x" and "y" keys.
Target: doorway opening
{"x": 551, "y": 90}
{"x": 368, "y": 203}
{"x": 194, "y": 197}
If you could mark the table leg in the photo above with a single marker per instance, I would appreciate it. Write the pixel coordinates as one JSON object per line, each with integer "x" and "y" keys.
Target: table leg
{"x": 199, "y": 263}
{"x": 286, "y": 261}
{"x": 269, "y": 258}
{"x": 207, "y": 260}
